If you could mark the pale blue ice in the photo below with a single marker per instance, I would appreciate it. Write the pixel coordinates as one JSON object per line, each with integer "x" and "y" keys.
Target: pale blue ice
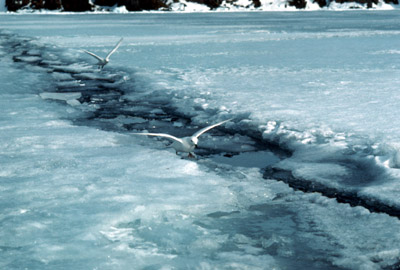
{"x": 322, "y": 85}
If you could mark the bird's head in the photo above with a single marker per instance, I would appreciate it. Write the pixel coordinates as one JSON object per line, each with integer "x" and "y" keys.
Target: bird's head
{"x": 194, "y": 140}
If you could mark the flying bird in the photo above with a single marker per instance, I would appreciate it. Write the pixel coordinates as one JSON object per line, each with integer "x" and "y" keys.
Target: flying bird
{"x": 185, "y": 144}
{"x": 104, "y": 61}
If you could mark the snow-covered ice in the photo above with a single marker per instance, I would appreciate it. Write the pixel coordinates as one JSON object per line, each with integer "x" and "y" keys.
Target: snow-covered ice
{"x": 313, "y": 96}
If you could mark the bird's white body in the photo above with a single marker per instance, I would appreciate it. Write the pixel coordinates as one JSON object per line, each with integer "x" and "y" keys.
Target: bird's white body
{"x": 101, "y": 62}
{"x": 185, "y": 144}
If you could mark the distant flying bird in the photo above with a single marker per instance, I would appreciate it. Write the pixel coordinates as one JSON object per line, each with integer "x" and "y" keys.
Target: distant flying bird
{"x": 185, "y": 144}
{"x": 104, "y": 61}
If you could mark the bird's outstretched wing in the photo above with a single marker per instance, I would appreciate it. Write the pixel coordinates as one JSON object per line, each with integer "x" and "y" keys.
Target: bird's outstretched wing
{"x": 113, "y": 50}
{"x": 173, "y": 138}
{"x": 203, "y": 130}
{"x": 94, "y": 55}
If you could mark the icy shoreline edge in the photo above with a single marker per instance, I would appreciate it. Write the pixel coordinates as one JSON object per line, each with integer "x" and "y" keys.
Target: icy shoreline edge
{"x": 25, "y": 7}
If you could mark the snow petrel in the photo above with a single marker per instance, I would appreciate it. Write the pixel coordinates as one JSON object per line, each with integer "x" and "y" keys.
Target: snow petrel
{"x": 185, "y": 144}
{"x": 104, "y": 61}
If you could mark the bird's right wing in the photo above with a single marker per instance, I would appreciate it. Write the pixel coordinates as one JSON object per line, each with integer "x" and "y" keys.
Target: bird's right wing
{"x": 203, "y": 130}
{"x": 95, "y": 56}
{"x": 173, "y": 138}
{"x": 115, "y": 48}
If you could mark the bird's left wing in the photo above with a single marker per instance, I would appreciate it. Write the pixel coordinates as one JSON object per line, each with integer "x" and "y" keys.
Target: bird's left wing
{"x": 203, "y": 130}
{"x": 115, "y": 48}
{"x": 94, "y": 55}
{"x": 173, "y": 138}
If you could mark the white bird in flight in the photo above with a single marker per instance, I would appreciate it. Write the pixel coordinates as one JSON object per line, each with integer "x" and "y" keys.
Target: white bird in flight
{"x": 185, "y": 144}
{"x": 104, "y": 61}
